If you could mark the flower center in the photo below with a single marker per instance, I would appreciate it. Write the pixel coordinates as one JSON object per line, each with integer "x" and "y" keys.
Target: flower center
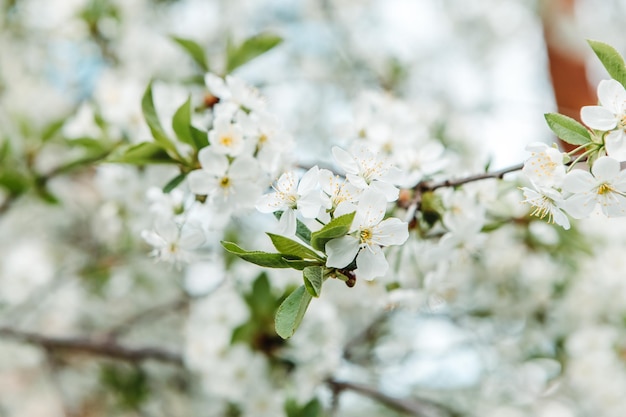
{"x": 226, "y": 141}
{"x": 605, "y": 189}
{"x": 622, "y": 122}
{"x": 225, "y": 182}
{"x": 262, "y": 139}
{"x": 366, "y": 236}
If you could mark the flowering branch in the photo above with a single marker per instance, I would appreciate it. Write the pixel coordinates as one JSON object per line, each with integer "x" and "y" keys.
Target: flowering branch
{"x": 83, "y": 345}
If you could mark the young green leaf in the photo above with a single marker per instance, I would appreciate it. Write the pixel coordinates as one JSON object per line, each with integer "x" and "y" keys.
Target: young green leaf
{"x": 200, "y": 137}
{"x": 268, "y": 260}
{"x": 300, "y": 264}
{"x": 313, "y": 279}
{"x": 152, "y": 119}
{"x": 250, "y": 49}
{"x": 195, "y": 51}
{"x": 611, "y": 59}
{"x": 336, "y": 228}
{"x": 287, "y": 246}
{"x": 290, "y": 313}
{"x": 568, "y": 129}
{"x": 142, "y": 154}
{"x": 181, "y": 123}
{"x": 174, "y": 182}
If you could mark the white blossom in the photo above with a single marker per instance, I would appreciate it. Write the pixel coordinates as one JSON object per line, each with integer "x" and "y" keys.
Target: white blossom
{"x": 367, "y": 235}
{"x": 365, "y": 169}
{"x": 226, "y": 137}
{"x": 545, "y": 166}
{"x": 604, "y": 186}
{"x": 173, "y": 243}
{"x": 610, "y": 115}
{"x": 547, "y": 202}
{"x": 290, "y": 195}
{"x": 227, "y": 184}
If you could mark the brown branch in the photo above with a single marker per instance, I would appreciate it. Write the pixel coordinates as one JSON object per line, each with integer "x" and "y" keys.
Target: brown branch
{"x": 432, "y": 186}
{"x": 91, "y": 347}
{"x": 411, "y": 407}
{"x": 428, "y": 186}
{"x": 149, "y": 314}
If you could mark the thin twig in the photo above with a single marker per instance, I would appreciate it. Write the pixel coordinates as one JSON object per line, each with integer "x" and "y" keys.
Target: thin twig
{"x": 91, "y": 347}
{"x": 151, "y": 313}
{"x": 411, "y": 407}
{"x": 432, "y": 186}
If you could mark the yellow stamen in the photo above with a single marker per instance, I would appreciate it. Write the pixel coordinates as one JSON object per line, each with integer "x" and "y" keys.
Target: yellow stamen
{"x": 605, "y": 189}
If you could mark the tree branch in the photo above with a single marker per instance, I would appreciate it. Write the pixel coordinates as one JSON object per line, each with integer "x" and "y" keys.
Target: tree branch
{"x": 428, "y": 186}
{"x": 91, "y": 347}
{"x": 149, "y": 314}
{"x": 416, "y": 408}
{"x": 432, "y": 186}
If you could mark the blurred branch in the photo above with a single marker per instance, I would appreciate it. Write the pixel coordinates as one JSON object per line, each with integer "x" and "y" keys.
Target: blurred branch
{"x": 92, "y": 347}
{"x": 151, "y": 313}
{"x": 411, "y": 407}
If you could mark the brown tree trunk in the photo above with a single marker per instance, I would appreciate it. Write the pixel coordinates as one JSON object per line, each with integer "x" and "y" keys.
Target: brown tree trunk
{"x": 567, "y": 64}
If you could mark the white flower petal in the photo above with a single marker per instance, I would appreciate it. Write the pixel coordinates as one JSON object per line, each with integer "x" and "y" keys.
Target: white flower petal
{"x": 613, "y": 204}
{"x": 191, "y": 238}
{"x": 341, "y": 251}
{"x": 344, "y": 207}
{"x": 201, "y": 182}
{"x": 309, "y": 181}
{"x": 616, "y": 145}
{"x": 612, "y": 95}
{"x": 287, "y": 223}
{"x": 578, "y": 181}
{"x": 167, "y": 229}
{"x": 597, "y": 117}
{"x": 270, "y": 203}
{"x": 244, "y": 167}
{"x": 371, "y": 263}
{"x": 605, "y": 169}
{"x": 390, "y": 192}
{"x": 310, "y": 204}
{"x": 345, "y": 160}
{"x": 370, "y": 210}
{"x": 217, "y": 86}
{"x": 580, "y": 206}
{"x": 391, "y": 232}
{"x": 211, "y": 162}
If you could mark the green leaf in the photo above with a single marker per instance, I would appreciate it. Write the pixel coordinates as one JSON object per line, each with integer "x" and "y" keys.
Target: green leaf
{"x": 174, "y": 182}
{"x": 568, "y": 129}
{"x": 311, "y": 409}
{"x": 336, "y": 228}
{"x": 290, "y": 313}
{"x": 268, "y": 260}
{"x": 200, "y": 137}
{"x": 611, "y": 59}
{"x": 181, "y": 123}
{"x": 194, "y": 50}
{"x": 152, "y": 119}
{"x": 287, "y": 246}
{"x": 300, "y": 264}
{"x": 313, "y": 279}
{"x": 250, "y": 49}
{"x": 51, "y": 130}
{"x": 142, "y": 154}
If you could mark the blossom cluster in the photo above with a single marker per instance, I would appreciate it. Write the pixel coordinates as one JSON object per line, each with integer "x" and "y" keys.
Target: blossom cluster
{"x": 599, "y": 182}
